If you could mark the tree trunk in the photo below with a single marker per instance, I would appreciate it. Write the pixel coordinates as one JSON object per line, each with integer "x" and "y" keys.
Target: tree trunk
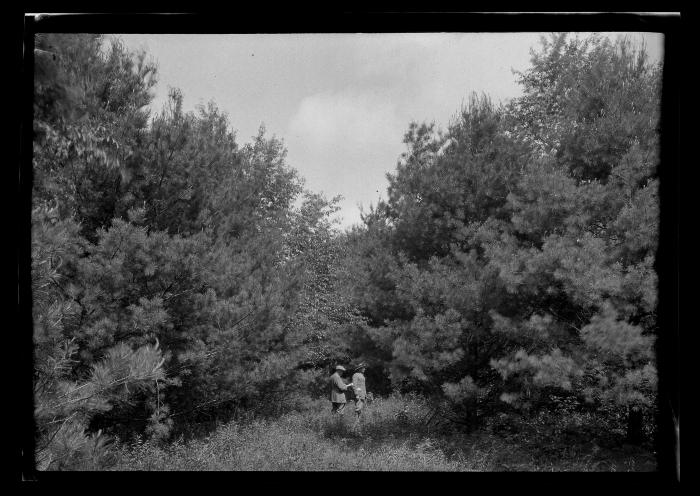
{"x": 634, "y": 425}
{"x": 473, "y": 417}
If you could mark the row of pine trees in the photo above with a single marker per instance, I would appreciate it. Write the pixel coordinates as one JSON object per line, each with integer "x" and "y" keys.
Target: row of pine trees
{"x": 180, "y": 276}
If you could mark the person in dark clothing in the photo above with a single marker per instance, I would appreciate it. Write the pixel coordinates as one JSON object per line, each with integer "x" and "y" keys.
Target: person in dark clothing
{"x": 338, "y": 388}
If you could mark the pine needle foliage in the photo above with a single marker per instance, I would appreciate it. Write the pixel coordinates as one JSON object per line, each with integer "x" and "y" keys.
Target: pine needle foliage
{"x": 517, "y": 247}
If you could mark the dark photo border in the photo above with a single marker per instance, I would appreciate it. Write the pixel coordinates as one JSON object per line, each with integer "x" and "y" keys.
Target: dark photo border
{"x": 356, "y": 21}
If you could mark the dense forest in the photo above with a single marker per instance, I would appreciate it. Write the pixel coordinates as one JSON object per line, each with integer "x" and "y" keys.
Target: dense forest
{"x": 181, "y": 278}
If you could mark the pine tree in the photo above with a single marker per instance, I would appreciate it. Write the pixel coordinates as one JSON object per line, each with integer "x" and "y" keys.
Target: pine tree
{"x": 165, "y": 233}
{"x": 518, "y": 246}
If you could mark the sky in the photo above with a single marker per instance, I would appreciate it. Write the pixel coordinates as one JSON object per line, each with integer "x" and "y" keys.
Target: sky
{"x": 341, "y": 103}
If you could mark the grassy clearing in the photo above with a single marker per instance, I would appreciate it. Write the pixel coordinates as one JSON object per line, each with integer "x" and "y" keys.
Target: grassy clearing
{"x": 393, "y": 437}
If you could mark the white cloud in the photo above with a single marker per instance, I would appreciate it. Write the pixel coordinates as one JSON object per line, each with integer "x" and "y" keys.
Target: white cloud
{"x": 342, "y": 101}
{"x": 343, "y": 119}
{"x": 344, "y": 143}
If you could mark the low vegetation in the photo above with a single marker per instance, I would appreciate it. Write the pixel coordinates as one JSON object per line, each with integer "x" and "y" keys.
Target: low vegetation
{"x": 394, "y": 436}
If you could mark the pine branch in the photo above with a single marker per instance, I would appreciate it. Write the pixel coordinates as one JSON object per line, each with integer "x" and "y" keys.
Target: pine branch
{"x": 563, "y": 320}
{"x": 63, "y": 422}
{"x": 179, "y": 294}
{"x": 116, "y": 382}
{"x": 119, "y": 245}
{"x": 201, "y": 405}
{"x": 213, "y": 352}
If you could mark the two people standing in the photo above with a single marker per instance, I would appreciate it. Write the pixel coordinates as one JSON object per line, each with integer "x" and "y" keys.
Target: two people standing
{"x": 338, "y": 389}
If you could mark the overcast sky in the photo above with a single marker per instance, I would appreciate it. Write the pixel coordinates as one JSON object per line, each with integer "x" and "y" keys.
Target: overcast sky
{"x": 341, "y": 102}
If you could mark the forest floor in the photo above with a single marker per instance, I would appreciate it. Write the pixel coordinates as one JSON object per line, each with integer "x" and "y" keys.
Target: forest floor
{"x": 394, "y": 437}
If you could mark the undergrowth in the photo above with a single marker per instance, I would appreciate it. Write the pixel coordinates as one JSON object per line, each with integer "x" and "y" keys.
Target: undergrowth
{"x": 393, "y": 436}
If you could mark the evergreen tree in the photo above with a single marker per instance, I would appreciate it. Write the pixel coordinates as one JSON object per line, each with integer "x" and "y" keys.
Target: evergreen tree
{"x": 518, "y": 246}
{"x": 164, "y": 231}
{"x": 73, "y": 382}
{"x": 594, "y": 107}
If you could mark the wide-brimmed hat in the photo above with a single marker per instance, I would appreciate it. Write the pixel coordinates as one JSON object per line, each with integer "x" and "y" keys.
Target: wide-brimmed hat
{"x": 339, "y": 367}
{"x": 361, "y": 365}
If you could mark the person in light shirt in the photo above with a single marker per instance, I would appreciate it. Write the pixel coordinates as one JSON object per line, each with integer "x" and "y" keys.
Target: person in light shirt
{"x": 358, "y": 382}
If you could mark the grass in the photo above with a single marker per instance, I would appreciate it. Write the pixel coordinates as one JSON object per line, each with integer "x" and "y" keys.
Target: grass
{"x": 393, "y": 437}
